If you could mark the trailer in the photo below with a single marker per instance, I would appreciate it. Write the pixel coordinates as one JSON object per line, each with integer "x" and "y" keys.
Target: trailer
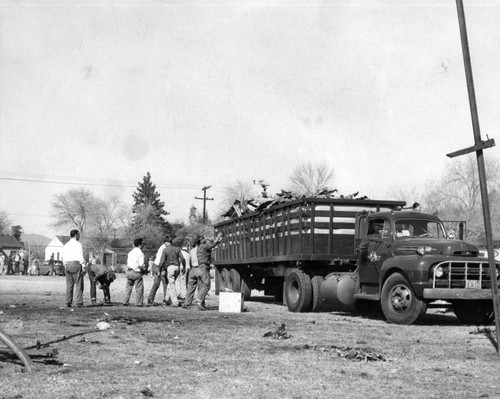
{"x": 307, "y": 237}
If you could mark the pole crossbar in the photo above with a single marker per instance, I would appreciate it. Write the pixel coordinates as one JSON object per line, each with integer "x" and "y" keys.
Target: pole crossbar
{"x": 478, "y": 147}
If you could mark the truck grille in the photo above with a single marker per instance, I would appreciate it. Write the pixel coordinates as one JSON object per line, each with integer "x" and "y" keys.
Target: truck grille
{"x": 473, "y": 274}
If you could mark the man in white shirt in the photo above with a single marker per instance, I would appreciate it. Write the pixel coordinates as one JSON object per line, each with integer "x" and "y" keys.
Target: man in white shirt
{"x": 157, "y": 276}
{"x": 135, "y": 270}
{"x": 72, "y": 256}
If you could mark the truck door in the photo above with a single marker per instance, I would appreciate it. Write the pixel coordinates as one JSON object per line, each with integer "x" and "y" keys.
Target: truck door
{"x": 373, "y": 249}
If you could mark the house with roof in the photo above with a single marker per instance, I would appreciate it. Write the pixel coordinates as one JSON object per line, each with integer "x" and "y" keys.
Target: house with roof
{"x": 55, "y": 247}
{"x": 9, "y": 245}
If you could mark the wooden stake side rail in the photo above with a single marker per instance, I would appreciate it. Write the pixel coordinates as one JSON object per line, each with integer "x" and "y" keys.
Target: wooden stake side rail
{"x": 313, "y": 229}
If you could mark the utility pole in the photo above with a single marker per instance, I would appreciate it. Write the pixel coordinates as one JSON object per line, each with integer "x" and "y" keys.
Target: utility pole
{"x": 478, "y": 147}
{"x": 204, "y": 199}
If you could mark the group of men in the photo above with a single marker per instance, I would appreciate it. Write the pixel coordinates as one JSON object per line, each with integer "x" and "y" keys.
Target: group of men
{"x": 76, "y": 267}
{"x": 189, "y": 263}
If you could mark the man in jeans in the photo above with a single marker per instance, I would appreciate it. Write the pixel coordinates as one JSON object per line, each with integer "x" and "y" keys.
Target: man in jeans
{"x": 72, "y": 256}
{"x": 135, "y": 270}
{"x": 204, "y": 255}
{"x": 172, "y": 260}
{"x": 157, "y": 273}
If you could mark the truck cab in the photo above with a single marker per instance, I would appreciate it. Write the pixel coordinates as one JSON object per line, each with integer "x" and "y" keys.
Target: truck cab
{"x": 407, "y": 261}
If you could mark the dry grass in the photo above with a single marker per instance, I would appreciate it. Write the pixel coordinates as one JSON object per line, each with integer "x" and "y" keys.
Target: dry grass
{"x": 178, "y": 353}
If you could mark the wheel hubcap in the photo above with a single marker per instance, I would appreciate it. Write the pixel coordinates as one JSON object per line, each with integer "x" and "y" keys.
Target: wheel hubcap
{"x": 400, "y": 298}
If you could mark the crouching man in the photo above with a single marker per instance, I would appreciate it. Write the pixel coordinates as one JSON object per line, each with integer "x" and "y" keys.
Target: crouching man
{"x": 102, "y": 275}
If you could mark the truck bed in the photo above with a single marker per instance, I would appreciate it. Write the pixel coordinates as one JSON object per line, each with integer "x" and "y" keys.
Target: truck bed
{"x": 311, "y": 229}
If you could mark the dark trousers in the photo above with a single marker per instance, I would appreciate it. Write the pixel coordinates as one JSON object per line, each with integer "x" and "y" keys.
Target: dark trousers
{"x": 74, "y": 281}
{"x": 105, "y": 283}
{"x": 199, "y": 277}
{"x": 157, "y": 279}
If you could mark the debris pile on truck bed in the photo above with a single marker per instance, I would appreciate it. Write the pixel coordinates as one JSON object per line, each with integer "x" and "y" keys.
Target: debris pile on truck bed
{"x": 263, "y": 203}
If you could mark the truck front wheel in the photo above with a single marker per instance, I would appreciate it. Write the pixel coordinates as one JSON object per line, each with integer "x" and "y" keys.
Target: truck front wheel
{"x": 478, "y": 313}
{"x": 298, "y": 291}
{"x": 399, "y": 303}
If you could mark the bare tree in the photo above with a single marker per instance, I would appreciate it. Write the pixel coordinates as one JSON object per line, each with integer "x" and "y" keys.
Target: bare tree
{"x": 239, "y": 191}
{"x": 102, "y": 222}
{"x": 309, "y": 178}
{"x": 4, "y": 223}
{"x": 457, "y": 196}
{"x": 74, "y": 209}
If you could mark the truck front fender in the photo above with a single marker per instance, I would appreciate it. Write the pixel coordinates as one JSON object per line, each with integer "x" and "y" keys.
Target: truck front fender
{"x": 414, "y": 267}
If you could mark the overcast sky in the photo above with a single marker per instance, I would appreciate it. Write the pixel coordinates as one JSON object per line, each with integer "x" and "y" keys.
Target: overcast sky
{"x": 99, "y": 93}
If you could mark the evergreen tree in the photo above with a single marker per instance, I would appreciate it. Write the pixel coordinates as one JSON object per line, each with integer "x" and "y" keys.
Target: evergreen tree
{"x": 145, "y": 195}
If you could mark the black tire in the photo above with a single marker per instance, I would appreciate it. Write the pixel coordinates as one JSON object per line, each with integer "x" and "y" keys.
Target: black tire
{"x": 238, "y": 283}
{"x": 298, "y": 291}
{"x": 477, "y": 313}
{"x": 225, "y": 280}
{"x": 399, "y": 303}
{"x": 316, "y": 283}
{"x": 245, "y": 288}
{"x": 218, "y": 281}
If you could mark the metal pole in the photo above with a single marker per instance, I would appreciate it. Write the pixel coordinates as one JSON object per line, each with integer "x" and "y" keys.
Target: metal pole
{"x": 480, "y": 165}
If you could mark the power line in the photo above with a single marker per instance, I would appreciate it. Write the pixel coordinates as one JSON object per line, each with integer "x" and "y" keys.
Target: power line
{"x": 174, "y": 186}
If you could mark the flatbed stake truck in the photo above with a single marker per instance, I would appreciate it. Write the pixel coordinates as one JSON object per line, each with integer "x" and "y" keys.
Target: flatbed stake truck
{"x": 318, "y": 252}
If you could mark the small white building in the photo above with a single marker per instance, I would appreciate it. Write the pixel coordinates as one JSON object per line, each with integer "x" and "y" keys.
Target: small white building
{"x": 55, "y": 247}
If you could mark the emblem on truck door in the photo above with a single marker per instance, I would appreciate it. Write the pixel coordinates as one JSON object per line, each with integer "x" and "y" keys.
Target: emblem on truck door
{"x": 373, "y": 257}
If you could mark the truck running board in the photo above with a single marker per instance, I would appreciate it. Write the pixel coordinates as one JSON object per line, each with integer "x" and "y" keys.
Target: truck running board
{"x": 368, "y": 297}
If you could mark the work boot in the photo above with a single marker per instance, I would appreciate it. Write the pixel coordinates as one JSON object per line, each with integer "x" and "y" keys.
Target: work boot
{"x": 201, "y": 306}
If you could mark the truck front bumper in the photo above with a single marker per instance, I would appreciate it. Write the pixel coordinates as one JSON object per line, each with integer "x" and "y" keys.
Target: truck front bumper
{"x": 456, "y": 293}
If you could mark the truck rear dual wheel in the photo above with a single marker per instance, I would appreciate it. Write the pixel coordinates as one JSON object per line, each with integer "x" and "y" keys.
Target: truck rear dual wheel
{"x": 238, "y": 283}
{"x": 478, "y": 313}
{"x": 231, "y": 279}
{"x": 399, "y": 303}
{"x": 298, "y": 291}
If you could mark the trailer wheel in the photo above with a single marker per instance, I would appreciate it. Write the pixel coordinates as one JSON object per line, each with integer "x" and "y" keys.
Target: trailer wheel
{"x": 399, "y": 303}
{"x": 225, "y": 280}
{"x": 218, "y": 281}
{"x": 298, "y": 291}
{"x": 316, "y": 283}
{"x": 478, "y": 313}
{"x": 238, "y": 283}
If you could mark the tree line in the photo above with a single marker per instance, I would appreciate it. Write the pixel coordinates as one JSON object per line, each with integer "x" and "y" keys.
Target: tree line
{"x": 109, "y": 223}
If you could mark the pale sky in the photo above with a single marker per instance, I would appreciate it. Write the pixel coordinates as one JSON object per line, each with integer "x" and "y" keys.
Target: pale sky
{"x": 207, "y": 93}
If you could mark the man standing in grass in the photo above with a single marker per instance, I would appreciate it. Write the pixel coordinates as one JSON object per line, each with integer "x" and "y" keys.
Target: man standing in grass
{"x": 135, "y": 270}
{"x": 157, "y": 273}
{"x": 72, "y": 256}
{"x": 204, "y": 255}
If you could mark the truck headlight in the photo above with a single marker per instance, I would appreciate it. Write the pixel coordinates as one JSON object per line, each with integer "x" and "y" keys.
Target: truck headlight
{"x": 423, "y": 250}
{"x": 438, "y": 271}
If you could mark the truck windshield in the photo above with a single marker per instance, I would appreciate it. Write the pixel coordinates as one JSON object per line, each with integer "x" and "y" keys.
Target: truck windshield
{"x": 419, "y": 228}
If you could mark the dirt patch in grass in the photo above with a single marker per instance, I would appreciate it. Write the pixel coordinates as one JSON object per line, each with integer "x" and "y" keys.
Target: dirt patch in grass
{"x": 167, "y": 352}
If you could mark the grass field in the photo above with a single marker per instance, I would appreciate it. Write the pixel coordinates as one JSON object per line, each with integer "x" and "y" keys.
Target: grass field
{"x": 166, "y": 352}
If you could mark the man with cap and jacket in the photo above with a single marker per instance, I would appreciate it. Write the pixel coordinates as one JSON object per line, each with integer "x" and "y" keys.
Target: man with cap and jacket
{"x": 172, "y": 261}
{"x": 200, "y": 276}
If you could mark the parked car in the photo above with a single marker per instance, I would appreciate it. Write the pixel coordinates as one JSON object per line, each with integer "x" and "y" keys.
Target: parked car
{"x": 58, "y": 268}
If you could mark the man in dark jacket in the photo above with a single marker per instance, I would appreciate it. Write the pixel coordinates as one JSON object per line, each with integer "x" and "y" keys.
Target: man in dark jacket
{"x": 204, "y": 255}
{"x": 171, "y": 261}
{"x": 104, "y": 276}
